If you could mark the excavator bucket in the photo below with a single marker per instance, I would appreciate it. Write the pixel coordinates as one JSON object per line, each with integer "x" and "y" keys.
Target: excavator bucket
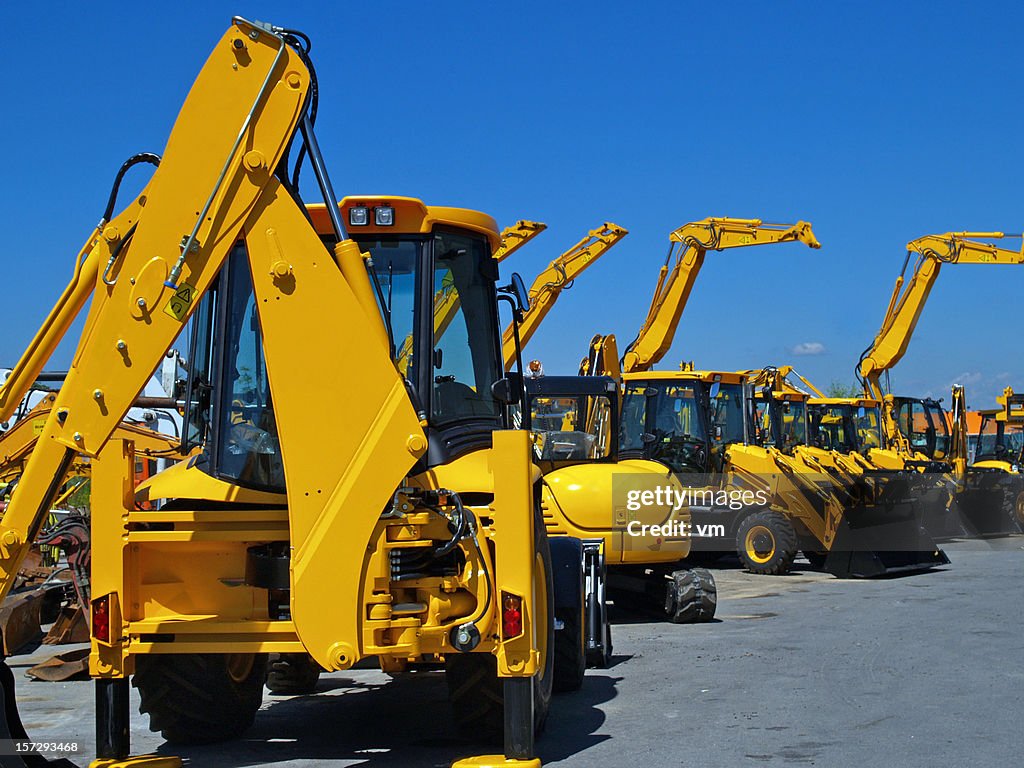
{"x": 20, "y": 619}
{"x": 883, "y": 534}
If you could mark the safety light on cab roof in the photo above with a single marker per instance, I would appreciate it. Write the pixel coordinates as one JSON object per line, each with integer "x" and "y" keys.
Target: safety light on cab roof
{"x": 358, "y": 216}
{"x": 384, "y": 216}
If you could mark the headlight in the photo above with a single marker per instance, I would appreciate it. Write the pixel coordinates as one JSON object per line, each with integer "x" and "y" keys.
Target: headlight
{"x": 384, "y": 216}
{"x": 358, "y": 216}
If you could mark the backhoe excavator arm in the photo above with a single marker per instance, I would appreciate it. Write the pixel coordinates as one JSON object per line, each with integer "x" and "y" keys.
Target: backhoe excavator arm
{"x": 689, "y": 245}
{"x": 557, "y": 277}
{"x": 515, "y": 237}
{"x": 602, "y": 358}
{"x": 212, "y": 189}
{"x": 135, "y": 315}
{"x": 909, "y": 296}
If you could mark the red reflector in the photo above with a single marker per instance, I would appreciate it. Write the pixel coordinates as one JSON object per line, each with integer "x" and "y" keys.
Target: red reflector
{"x": 511, "y": 615}
{"x": 101, "y": 619}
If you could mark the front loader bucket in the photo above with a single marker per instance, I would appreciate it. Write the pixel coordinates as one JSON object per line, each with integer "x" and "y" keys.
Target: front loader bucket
{"x": 879, "y": 539}
{"x": 990, "y": 502}
{"x": 864, "y": 564}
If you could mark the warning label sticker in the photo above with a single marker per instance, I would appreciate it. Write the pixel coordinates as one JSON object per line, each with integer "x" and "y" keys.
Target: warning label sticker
{"x": 180, "y": 303}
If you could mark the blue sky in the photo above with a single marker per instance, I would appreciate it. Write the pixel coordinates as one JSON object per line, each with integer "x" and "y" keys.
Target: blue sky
{"x": 877, "y": 122}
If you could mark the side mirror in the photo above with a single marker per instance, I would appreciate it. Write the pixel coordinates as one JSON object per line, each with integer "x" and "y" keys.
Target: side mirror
{"x": 715, "y": 387}
{"x": 517, "y": 289}
{"x": 508, "y": 390}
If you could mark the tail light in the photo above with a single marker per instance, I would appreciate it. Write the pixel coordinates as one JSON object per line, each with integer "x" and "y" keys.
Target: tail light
{"x": 101, "y": 618}
{"x": 511, "y": 615}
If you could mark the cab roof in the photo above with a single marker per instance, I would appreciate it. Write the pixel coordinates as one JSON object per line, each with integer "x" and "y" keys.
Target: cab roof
{"x": 724, "y": 377}
{"x": 411, "y": 216}
{"x": 856, "y": 402}
{"x": 567, "y": 386}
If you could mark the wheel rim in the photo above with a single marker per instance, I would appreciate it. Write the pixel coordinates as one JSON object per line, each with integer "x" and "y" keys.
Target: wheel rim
{"x": 540, "y": 602}
{"x": 240, "y": 665}
{"x": 759, "y": 544}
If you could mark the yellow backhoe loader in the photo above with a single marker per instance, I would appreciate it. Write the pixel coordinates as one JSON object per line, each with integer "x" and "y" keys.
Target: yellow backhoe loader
{"x": 417, "y": 538}
{"x": 1000, "y": 448}
{"x": 916, "y": 429}
{"x": 573, "y": 422}
{"x": 586, "y": 487}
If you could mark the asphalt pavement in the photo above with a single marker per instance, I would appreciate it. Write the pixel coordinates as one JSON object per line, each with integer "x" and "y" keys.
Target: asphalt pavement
{"x": 804, "y": 669}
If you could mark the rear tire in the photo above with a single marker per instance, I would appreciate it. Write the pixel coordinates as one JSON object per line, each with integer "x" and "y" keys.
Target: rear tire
{"x": 691, "y": 596}
{"x": 292, "y": 674}
{"x": 766, "y": 543}
{"x": 477, "y": 694}
{"x": 570, "y": 652}
{"x": 202, "y": 697}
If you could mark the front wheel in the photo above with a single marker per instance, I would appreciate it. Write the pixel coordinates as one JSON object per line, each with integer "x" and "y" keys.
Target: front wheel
{"x": 766, "y": 543}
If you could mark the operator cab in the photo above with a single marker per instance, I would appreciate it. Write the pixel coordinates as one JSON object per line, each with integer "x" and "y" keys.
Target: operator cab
{"x": 846, "y": 426}
{"x": 434, "y": 279}
{"x": 573, "y": 420}
{"x": 780, "y": 419}
{"x": 923, "y": 423}
{"x": 684, "y": 420}
{"x": 998, "y": 440}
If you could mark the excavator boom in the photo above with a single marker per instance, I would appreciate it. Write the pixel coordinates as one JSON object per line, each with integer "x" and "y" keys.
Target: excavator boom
{"x": 910, "y": 295}
{"x": 557, "y": 277}
{"x": 689, "y": 245}
{"x": 515, "y": 237}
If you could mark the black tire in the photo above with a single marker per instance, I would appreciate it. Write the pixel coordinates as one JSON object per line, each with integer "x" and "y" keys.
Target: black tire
{"x": 570, "y": 652}
{"x": 292, "y": 674}
{"x": 201, "y": 697}
{"x": 816, "y": 559}
{"x": 691, "y": 596}
{"x": 1017, "y": 518}
{"x": 476, "y": 692}
{"x": 766, "y": 543}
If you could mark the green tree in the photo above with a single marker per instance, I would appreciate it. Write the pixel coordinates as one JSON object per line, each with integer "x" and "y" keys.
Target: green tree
{"x": 839, "y": 389}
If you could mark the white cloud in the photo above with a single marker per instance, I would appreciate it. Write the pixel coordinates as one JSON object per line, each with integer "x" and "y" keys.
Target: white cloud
{"x": 808, "y": 348}
{"x": 968, "y": 379}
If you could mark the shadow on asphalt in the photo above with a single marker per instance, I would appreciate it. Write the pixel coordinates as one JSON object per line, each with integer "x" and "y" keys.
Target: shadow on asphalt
{"x": 397, "y": 723}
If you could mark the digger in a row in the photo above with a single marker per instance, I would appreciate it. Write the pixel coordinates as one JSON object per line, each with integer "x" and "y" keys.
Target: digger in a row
{"x": 573, "y": 422}
{"x": 915, "y": 430}
{"x": 418, "y": 538}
